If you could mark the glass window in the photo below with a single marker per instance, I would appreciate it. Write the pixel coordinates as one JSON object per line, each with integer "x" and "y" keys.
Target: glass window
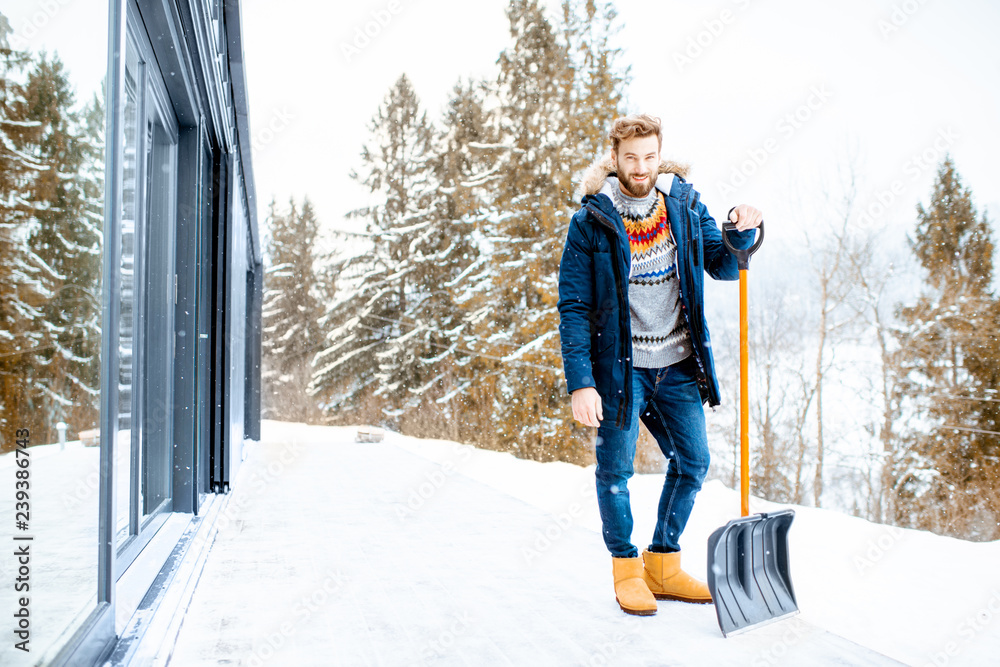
{"x": 157, "y": 431}
{"x": 50, "y": 348}
{"x": 123, "y": 448}
{"x": 144, "y": 454}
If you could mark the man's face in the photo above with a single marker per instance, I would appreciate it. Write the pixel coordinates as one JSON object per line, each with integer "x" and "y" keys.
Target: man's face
{"x": 637, "y": 162}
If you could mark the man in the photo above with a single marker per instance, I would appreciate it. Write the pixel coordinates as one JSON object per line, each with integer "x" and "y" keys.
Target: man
{"x": 635, "y": 343}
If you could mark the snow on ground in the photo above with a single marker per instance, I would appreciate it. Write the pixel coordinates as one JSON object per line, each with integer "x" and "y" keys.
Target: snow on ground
{"x": 918, "y": 597}
{"x": 63, "y": 502}
{"x": 413, "y": 552}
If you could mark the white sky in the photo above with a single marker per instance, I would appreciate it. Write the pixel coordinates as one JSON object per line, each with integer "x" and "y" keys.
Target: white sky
{"x": 889, "y": 95}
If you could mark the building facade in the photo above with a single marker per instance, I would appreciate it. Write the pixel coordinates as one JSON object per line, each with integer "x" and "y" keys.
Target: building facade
{"x": 117, "y": 548}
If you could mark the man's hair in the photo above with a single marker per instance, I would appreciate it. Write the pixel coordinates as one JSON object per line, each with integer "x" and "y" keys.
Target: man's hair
{"x": 635, "y": 125}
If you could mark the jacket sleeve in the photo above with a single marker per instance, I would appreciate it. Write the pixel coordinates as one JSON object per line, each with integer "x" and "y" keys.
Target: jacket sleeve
{"x": 576, "y": 302}
{"x": 719, "y": 262}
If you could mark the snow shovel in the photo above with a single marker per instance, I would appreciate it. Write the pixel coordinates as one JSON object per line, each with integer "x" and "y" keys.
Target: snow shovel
{"x": 748, "y": 574}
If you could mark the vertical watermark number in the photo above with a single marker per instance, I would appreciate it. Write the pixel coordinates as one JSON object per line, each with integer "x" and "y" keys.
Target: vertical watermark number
{"x": 22, "y": 540}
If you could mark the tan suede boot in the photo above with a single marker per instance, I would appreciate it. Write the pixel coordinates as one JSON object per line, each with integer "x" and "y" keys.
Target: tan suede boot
{"x": 630, "y": 590}
{"x": 667, "y": 581}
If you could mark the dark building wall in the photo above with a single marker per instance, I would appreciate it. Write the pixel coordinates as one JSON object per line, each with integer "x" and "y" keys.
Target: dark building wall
{"x": 189, "y": 301}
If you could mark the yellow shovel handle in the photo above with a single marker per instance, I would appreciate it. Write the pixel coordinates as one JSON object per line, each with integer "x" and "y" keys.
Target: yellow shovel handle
{"x": 743, "y": 262}
{"x": 744, "y": 399}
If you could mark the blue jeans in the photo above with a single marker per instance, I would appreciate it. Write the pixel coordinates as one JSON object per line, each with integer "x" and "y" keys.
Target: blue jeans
{"x": 669, "y": 404}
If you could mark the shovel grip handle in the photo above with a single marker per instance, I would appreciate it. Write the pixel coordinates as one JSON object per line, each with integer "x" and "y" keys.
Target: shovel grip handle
{"x": 742, "y": 254}
{"x": 743, "y": 261}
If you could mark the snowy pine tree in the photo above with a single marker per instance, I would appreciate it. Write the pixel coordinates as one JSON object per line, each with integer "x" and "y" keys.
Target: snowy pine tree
{"x": 444, "y": 322}
{"x": 534, "y": 91}
{"x": 65, "y": 249}
{"x": 378, "y": 334}
{"x": 948, "y": 368}
{"x": 22, "y": 292}
{"x": 291, "y": 312}
{"x": 468, "y": 170}
{"x": 448, "y": 253}
{"x": 555, "y": 96}
{"x": 598, "y": 95}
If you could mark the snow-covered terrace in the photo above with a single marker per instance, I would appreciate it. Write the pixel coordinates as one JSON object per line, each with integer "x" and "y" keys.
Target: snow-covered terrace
{"x": 412, "y": 552}
{"x": 419, "y": 552}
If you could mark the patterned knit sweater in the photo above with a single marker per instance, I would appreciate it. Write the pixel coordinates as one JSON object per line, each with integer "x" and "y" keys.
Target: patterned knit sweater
{"x": 660, "y": 335}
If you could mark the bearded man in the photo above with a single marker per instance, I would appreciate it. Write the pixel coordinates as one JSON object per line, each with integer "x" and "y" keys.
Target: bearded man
{"x": 635, "y": 343}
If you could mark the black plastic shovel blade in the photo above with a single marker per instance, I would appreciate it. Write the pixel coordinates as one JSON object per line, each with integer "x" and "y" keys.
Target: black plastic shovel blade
{"x": 748, "y": 573}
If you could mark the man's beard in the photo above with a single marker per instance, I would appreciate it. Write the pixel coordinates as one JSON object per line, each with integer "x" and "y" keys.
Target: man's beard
{"x": 637, "y": 190}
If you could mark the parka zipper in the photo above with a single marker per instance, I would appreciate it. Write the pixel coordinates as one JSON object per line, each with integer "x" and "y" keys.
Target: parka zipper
{"x": 622, "y": 306}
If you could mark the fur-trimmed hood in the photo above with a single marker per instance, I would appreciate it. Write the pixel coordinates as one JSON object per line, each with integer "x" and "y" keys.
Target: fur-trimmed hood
{"x": 597, "y": 173}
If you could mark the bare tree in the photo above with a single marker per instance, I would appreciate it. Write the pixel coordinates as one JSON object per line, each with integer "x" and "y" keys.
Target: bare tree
{"x": 803, "y": 405}
{"x": 776, "y": 402}
{"x": 873, "y": 274}
{"x": 828, "y": 256}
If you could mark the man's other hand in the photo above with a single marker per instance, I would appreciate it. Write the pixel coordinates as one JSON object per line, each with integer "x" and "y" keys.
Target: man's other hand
{"x": 746, "y": 217}
{"x": 587, "y": 407}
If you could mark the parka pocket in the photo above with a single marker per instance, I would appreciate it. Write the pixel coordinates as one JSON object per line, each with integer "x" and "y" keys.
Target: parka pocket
{"x": 602, "y": 341}
{"x": 605, "y": 300}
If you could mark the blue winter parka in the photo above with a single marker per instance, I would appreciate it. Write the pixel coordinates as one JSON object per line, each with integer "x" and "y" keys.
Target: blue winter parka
{"x": 595, "y": 326}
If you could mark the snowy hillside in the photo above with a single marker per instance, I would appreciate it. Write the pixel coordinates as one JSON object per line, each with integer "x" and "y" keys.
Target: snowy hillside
{"x": 427, "y": 552}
